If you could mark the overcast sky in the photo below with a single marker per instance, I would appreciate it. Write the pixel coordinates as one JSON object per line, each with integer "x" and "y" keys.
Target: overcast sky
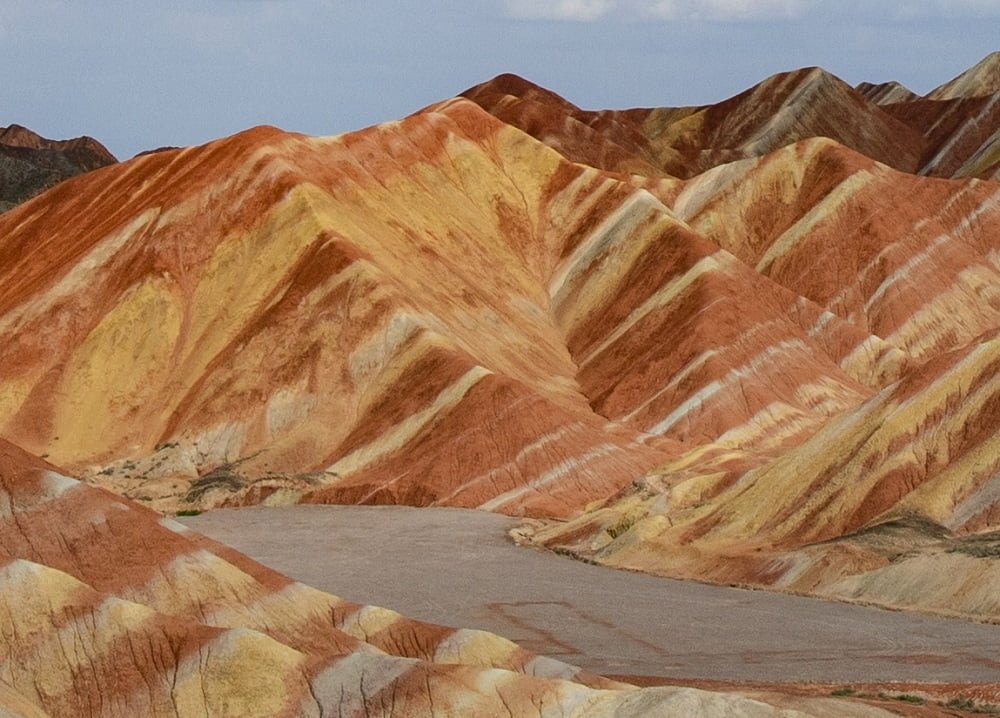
{"x": 139, "y": 74}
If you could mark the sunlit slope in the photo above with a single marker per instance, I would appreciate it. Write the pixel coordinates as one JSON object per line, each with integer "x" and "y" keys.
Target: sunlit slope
{"x": 441, "y": 310}
{"x": 328, "y": 300}
{"x": 912, "y": 260}
{"x": 981, "y": 79}
{"x": 925, "y": 448}
{"x": 779, "y": 111}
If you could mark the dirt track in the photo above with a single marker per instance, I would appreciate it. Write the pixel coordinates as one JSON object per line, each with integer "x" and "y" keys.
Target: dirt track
{"x": 459, "y": 568}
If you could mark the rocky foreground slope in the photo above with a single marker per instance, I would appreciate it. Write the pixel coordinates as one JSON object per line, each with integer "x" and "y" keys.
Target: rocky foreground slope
{"x": 749, "y": 342}
{"x": 30, "y": 164}
{"x": 109, "y": 609}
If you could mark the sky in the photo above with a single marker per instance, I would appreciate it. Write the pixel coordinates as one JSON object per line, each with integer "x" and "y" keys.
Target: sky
{"x": 140, "y": 74}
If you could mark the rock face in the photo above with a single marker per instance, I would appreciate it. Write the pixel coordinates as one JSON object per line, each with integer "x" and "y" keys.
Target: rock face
{"x": 30, "y": 164}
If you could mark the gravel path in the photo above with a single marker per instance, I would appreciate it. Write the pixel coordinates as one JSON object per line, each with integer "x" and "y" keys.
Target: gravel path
{"x": 458, "y": 568}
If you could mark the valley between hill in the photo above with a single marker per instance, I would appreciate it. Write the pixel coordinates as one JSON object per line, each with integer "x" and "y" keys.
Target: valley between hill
{"x": 459, "y": 567}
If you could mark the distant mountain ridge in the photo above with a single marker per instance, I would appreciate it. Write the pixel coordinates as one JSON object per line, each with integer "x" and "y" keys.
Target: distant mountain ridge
{"x": 31, "y": 164}
{"x": 952, "y": 132}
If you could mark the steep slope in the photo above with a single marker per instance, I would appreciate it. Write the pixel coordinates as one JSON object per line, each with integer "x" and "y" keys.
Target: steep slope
{"x": 885, "y": 93}
{"x": 960, "y": 121}
{"x": 108, "y": 609}
{"x": 283, "y": 293}
{"x": 981, "y": 79}
{"x": 30, "y": 164}
{"x": 963, "y": 134}
{"x": 911, "y": 260}
{"x": 784, "y": 109}
{"x": 608, "y": 140}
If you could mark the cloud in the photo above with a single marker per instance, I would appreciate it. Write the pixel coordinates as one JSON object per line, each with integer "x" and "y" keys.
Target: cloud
{"x": 945, "y": 8}
{"x": 746, "y": 10}
{"x": 578, "y": 10}
{"x": 713, "y": 10}
{"x": 726, "y": 10}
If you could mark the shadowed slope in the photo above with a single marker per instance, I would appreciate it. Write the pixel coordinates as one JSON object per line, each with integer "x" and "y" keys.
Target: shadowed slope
{"x": 30, "y": 164}
{"x": 885, "y": 93}
{"x": 963, "y": 134}
{"x": 608, "y": 140}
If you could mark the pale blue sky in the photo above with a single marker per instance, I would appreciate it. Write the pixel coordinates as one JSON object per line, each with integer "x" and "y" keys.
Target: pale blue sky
{"x": 138, "y": 74}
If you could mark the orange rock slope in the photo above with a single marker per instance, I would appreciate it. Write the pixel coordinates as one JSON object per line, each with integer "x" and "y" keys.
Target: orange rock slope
{"x": 314, "y": 323}
{"x": 707, "y": 342}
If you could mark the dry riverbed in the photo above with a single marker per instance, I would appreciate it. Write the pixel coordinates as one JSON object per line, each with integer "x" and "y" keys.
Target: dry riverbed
{"x": 460, "y": 568}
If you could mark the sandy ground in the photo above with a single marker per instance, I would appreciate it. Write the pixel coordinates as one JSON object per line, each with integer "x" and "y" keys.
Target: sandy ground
{"x": 459, "y": 568}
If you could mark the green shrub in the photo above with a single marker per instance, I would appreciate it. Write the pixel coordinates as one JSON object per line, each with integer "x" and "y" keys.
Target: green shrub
{"x": 624, "y": 524}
